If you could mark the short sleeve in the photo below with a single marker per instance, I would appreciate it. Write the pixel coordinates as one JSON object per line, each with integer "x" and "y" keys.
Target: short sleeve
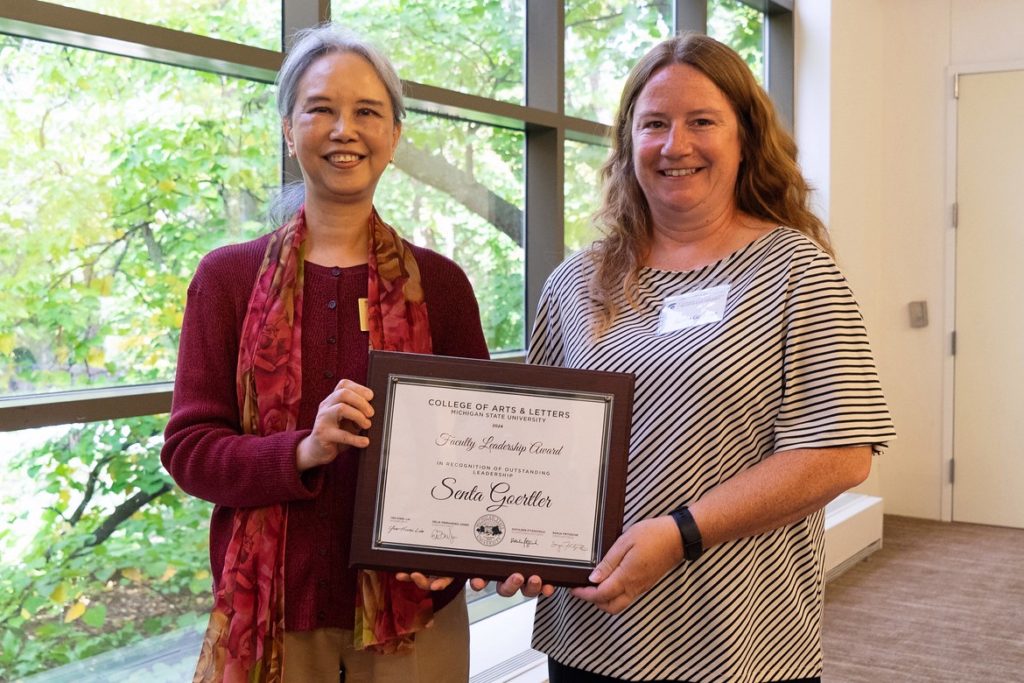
{"x": 832, "y": 396}
{"x": 546, "y": 346}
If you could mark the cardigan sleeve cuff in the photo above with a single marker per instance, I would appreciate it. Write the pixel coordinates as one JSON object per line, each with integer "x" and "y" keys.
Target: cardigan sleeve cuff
{"x": 285, "y": 482}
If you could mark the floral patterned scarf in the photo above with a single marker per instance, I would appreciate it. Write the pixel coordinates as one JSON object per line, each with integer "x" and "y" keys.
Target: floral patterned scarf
{"x": 244, "y": 640}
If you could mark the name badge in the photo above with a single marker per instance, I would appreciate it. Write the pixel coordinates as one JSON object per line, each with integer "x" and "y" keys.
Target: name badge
{"x": 692, "y": 309}
{"x": 364, "y": 310}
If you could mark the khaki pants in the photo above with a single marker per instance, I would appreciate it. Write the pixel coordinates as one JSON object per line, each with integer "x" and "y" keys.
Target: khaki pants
{"x": 441, "y": 654}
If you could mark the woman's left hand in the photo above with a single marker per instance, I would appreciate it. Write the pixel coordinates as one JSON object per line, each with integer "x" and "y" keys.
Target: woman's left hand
{"x": 427, "y": 583}
{"x": 530, "y": 588}
{"x": 634, "y": 563}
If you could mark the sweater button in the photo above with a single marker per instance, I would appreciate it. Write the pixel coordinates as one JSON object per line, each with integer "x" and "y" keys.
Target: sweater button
{"x": 332, "y": 304}
{"x": 332, "y": 340}
{"x": 321, "y": 551}
{"x": 321, "y": 615}
{"x": 328, "y": 374}
{"x": 321, "y": 583}
{"x": 335, "y": 271}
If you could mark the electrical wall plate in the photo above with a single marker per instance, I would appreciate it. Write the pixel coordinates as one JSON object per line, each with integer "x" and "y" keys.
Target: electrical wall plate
{"x": 918, "y": 313}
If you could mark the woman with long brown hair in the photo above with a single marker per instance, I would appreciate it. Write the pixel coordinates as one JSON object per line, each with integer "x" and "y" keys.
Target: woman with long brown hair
{"x": 756, "y": 399}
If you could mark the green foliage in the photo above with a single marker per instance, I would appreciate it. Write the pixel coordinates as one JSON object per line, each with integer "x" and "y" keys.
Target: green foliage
{"x": 484, "y": 165}
{"x": 603, "y": 39}
{"x": 253, "y": 22}
{"x": 474, "y": 46}
{"x": 112, "y": 535}
{"x": 582, "y": 198}
{"x": 451, "y": 172}
{"x": 116, "y": 177}
{"x": 741, "y": 27}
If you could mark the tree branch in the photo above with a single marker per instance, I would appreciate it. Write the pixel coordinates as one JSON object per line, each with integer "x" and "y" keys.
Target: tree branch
{"x": 592, "y": 20}
{"x": 90, "y": 489}
{"x": 156, "y": 254}
{"x": 434, "y": 170}
{"x": 104, "y": 247}
{"x": 661, "y": 4}
{"x": 119, "y": 515}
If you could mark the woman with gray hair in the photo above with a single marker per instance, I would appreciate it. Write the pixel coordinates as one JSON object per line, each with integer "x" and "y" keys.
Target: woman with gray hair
{"x": 270, "y": 405}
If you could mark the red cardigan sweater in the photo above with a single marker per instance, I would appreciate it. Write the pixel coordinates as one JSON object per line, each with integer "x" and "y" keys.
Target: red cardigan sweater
{"x": 210, "y": 458}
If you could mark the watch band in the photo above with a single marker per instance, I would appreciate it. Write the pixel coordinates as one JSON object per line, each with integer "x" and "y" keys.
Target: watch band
{"x": 693, "y": 544}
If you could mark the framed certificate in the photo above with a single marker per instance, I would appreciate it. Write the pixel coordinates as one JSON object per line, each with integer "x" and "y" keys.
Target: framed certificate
{"x": 485, "y": 468}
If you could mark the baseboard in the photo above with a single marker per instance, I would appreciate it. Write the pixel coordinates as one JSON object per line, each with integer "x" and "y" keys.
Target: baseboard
{"x": 500, "y": 644}
{"x": 528, "y": 666}
{"x": 853, "y": 530}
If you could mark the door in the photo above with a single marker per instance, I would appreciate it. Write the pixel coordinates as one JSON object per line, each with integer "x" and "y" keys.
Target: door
{"x": 988, "y": 408}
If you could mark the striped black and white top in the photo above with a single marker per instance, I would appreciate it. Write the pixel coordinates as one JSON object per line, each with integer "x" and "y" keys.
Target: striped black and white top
{"x": 787, "y": 366}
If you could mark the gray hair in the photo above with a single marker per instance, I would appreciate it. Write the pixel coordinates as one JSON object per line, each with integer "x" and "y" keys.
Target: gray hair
{"x": 309, "y": 45}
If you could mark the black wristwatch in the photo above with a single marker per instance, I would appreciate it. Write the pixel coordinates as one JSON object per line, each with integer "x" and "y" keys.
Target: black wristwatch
{"x": 693, "y": 544}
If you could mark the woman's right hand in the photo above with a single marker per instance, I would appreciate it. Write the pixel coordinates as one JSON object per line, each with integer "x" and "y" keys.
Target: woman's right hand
{"x": 341, "y": 418}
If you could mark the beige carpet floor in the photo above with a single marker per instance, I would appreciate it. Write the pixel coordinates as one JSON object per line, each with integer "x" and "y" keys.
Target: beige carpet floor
{"x": 939, "y": 602}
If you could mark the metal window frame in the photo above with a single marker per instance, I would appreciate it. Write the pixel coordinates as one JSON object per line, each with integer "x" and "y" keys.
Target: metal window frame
{"x": 542, "y": 118}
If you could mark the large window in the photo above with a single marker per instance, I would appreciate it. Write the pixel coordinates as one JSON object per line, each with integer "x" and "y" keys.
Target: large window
{"x": 137, "y": 136}
{"x": 459, "y": 191}
{"x": 602, "y": 40}
{"x": 117, "y": 176}
{"x": 741, "y": 27}
{"x": 582, "y": 197}
{"x": 470, "y": 46}
{"x": 101, "y": 553}
{"x": 252, "y": 22}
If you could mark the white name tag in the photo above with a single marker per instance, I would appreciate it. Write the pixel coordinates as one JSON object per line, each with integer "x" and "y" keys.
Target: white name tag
{"x": 693, "y": 309}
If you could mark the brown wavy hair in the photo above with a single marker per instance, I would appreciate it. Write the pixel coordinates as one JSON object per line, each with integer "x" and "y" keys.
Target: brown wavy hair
{"x": 769, "y": 184}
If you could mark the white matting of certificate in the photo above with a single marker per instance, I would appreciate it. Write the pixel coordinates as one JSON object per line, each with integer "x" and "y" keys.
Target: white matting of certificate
{"x": 482, "y": 470}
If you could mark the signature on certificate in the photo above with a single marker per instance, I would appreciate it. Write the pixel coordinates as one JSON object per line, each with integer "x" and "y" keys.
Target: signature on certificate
{"x": 568, "y": 546}
{"x": 446, "y": 534}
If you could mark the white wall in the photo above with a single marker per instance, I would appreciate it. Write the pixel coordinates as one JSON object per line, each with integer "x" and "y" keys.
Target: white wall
{"x": 873, "y": 92}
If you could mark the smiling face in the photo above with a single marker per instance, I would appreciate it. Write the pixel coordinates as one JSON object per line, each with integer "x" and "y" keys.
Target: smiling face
{"x": 686, "y": 148}
{"x": 342, "y": 129}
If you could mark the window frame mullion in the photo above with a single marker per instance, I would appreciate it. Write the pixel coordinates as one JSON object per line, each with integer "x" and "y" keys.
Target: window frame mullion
{"x": 544, "y": 229}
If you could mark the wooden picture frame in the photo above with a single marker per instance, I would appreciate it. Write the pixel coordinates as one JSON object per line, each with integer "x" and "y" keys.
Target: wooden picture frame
{"x": 485, "y": 468}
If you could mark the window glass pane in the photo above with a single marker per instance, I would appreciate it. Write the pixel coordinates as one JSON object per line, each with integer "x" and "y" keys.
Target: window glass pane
{"x": 487, "y": 603}
{"x": 250, "y": 22}
{"x": 473, "y": 46}
{"x": 582, "y": 192}
{"x": 116, "y": 176}
{"x": 603, "y": 39}
{"x": 458, "y": 188}
{"x": 741, "y": 27}
{"x": 100, "y": 555}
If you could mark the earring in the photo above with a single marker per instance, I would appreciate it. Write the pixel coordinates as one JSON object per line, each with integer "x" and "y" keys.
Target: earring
{"x": 291, "y": 153}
